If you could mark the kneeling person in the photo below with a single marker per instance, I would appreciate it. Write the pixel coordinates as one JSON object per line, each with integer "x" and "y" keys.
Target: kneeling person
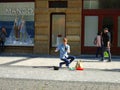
{"x": 64, "y": 49}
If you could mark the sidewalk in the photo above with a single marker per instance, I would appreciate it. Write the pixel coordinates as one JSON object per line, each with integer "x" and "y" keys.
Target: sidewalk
{"x": 34, "y": 68}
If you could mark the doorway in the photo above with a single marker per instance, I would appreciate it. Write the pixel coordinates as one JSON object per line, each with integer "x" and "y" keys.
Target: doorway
{"x": 95, "y": 21}
{"x": 108, "y": 22}
{"x": 57, "y": 27}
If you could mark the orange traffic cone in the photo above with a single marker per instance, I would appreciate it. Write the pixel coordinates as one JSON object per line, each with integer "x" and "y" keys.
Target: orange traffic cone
{"x": 79, "y": 65}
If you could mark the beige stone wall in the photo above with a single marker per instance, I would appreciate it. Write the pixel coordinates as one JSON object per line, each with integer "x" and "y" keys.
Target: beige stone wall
{"x": 42, "y": 25}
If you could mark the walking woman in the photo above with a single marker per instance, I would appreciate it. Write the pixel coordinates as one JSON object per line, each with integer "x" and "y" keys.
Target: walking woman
{"x": 99, "y": 44}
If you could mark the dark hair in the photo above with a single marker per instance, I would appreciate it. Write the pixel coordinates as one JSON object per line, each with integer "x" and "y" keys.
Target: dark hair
{"x": 4, "y": 31}
{"x": 99, "y": 32}
{"x": 106, "y": 28}
{"x": 3, "y": 27}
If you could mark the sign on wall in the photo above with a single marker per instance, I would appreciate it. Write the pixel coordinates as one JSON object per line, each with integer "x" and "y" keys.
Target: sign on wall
{"x": 18, "y": 18}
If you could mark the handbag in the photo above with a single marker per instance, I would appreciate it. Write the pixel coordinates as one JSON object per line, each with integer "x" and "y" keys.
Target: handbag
{"x": 106, "y": 54}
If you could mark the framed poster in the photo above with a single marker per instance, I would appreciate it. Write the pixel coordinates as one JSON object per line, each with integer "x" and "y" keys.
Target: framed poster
{"x": 18, "y": 19}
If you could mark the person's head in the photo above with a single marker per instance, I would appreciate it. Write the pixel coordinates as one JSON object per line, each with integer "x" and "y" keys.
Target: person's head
{"x": 3, "y": 29}
{"x": 105, "y": 30}
{"x": 65, "y": 40}
{"x": 99, "y": 33}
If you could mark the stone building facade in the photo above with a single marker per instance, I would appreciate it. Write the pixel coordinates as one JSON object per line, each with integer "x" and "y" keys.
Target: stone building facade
{"x": 80, "y": 20}
{"x": 73, "y": 13}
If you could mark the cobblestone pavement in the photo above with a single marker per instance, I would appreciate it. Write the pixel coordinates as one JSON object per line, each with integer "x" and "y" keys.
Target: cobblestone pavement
{"x": 41, "y": 68}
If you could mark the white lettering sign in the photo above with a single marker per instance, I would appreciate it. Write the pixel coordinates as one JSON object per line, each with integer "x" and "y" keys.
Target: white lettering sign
{"x": 19, "y": 11}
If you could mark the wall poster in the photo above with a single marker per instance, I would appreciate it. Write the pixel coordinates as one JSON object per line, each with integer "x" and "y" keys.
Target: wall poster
{"x": 18, "y": 18}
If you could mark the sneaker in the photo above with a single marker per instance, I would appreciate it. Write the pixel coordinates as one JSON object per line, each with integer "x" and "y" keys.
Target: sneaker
{"x": 101, "y": 60}
{"x": 109, "y": 60}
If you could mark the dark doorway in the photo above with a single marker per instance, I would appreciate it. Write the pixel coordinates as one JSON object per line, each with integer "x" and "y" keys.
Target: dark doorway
{"x": 108, "y": 22}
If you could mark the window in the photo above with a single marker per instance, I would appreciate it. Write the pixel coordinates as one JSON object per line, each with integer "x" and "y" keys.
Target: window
{"x": 17, "y": 1}
{"x": 18, "y": 18}
{"x": 91, "y": 4}
{"x": 91, "y": 29}
{"x": 57, "y": 28}
{"x": 57, "y": 4}
{"x": 119, "y": 31}
{"x": 101, "y": 4}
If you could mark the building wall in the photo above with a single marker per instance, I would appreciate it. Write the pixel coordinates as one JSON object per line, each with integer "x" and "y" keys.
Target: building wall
{"x": 42, "y": 25}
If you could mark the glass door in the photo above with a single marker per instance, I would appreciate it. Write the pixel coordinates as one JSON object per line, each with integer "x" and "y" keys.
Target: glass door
{"x": 57, "y": 28}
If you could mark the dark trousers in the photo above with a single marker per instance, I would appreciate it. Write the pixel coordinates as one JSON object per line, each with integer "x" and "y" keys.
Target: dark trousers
{"x": 2, "y": 45}
{"x": 99, "y": 51}
{"x": 108, "y": 51}
{"x": 67, "y": 61}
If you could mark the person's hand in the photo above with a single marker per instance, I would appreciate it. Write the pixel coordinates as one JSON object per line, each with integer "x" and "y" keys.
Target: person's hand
{"x": 66, "y": 49}
{"x": 108, "y": 45}
{"x": 56, "y": 50}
